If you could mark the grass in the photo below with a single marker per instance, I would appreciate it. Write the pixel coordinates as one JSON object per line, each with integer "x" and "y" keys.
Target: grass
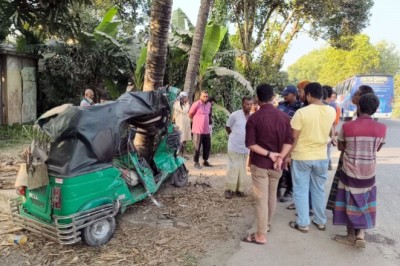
{"x": 219, "y": 142}
{"x": 14, "y": 135}
{"x": 190, "y": 260}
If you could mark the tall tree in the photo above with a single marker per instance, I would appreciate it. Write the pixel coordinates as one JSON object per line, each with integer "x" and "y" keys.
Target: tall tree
{"x": 389, "y": 58}
{"x": 158, "y": 43}
{"x": 155, "y": 64}
{"x": 276, "y": 23}
{"x": 195, "y": 51}
{"x": 332, "y": 65}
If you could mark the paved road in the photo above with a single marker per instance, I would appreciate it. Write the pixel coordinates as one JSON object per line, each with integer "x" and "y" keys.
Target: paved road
{"x": 289, "y": 247}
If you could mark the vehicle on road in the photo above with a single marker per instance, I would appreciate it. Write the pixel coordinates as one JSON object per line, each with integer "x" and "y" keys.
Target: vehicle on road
{"x": 94, "y": 170}
{"x": 382, "y": 85}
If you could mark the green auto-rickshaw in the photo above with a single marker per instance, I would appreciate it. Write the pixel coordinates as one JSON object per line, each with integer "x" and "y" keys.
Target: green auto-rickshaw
{"x": 94, "y": 171}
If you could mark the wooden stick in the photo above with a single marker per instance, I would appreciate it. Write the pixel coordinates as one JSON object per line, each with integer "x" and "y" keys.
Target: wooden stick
{"x": 13, "y": 230}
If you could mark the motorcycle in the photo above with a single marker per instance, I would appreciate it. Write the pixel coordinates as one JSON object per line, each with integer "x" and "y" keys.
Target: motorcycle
{"x": 92, "y": 171}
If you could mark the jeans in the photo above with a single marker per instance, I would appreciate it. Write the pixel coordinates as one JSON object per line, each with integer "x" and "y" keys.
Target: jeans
{"x": 309, "y": 176}
{"x": 329, "y": 148}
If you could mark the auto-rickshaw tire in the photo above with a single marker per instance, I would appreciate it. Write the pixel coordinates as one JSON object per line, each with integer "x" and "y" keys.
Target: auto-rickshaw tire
{"x": 181, "y": 177}
{"x": 89, "y": 235}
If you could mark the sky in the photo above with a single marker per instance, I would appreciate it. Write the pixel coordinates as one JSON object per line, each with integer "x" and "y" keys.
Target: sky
{"x": 384, "y": 25}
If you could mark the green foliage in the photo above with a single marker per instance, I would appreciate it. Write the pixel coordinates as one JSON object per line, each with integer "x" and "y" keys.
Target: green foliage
{"x": 219, "y": 141}
{"x": 15, "y": 134}
{"x": 139, "y": 69}
{"x": 331, "y": 65}
{"x": 180, "y": 20}
{"x": 389, "y": 58}
{"x": 99, "y": 62}
{"x": 106, "y": 25}
{"x": 177, "y": 61}
{"x": 68, "y": 71}
{"x": 308, "y": 67}
{"x": 274, "y": 24}
{"x": 49, "y": 18}
{"x": 213, "y": 38}
{"x": 219, "y": 118}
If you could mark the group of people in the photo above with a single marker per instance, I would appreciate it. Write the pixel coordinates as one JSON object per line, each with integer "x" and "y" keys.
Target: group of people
{"x": 291, "y": 144}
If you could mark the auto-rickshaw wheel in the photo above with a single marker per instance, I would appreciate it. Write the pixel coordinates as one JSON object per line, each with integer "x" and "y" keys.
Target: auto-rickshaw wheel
{"x": 180, "y": 177}
{"x": 99, "y": 233}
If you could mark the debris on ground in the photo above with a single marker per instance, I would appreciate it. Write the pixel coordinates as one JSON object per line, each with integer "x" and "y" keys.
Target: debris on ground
{"x": 188, "y": 225}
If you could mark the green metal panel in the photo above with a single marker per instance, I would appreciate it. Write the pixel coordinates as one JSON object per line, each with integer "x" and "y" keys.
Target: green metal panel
{"x": 164, "y": 157}
{"x": 78, "y": 193}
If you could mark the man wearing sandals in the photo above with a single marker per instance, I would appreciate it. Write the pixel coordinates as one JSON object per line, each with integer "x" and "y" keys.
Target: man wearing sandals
{"x": 355, "y": 204}
{"x": 311, "y": 127}
{"x": 269, "y": 138}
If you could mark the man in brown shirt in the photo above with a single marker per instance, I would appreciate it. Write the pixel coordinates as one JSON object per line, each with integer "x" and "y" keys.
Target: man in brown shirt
{"x": 269, "y": 138}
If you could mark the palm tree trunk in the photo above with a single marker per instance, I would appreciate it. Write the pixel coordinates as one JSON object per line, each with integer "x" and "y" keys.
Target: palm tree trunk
{"x": 158, "y": 43}
{"x": 155, "y": 64}
{"x": 195, "y": 51}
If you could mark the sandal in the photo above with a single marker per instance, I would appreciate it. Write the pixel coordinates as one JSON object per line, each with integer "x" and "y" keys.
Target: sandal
{"x": 320, "y": 227}
{"x": 228, "y": 194}
{"x": 269, "y": 228}
{"x": 252, "y": 239}
{"x": 291, "y": 207}
{"x": 240, "y": 194}
{"x": 344, "y": 240}
{"x": 302, "y": 229}
{"x": 360, "y": 243}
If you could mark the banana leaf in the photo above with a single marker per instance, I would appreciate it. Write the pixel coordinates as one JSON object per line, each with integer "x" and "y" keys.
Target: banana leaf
{"x": 179, "y": 20}
{"x": 213, "y": 37}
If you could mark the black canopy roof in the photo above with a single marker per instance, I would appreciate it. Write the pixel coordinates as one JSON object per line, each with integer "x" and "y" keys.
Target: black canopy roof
{"x": 84, "y": 139}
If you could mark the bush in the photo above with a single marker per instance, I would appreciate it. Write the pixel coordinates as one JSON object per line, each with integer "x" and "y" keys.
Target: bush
{"x": 219, "y": 119}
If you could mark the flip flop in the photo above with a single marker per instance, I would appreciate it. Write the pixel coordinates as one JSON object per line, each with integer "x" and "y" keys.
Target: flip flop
{"x": 320, "y": 227}
{"x": 269, "y": 228}
{"x": 252, "y": 239}
{"x": 291, "y": 207}
{"x": 344, "y": 240}
{"x": 294, "y": 225}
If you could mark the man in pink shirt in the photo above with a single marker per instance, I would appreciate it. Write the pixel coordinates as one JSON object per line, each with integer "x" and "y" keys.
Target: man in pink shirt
{"x": 199, "y": 113}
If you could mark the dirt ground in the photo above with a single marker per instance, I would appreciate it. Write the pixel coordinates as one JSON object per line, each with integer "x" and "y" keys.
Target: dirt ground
{"x": 192, "y": 223}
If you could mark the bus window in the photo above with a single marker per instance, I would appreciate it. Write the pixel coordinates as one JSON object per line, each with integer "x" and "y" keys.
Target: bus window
{"x": 347, "y": 87}
{"x": 340, "y": 88}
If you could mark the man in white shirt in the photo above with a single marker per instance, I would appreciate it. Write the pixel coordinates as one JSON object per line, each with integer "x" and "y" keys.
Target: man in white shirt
{"x": 237, "y": 151}
{"x": 88, "y": 100}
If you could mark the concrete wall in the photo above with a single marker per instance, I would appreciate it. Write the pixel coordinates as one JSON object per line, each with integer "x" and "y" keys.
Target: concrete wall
{"x": 21, "y": 90}
{"x": 29, "y": 94}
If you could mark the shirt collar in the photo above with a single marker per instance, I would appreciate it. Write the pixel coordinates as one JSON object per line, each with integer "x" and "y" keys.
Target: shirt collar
{"x": 266, "y": 105}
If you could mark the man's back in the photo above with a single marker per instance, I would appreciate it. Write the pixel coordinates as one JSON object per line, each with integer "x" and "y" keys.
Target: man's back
{"x": 270, "y": 129}
{"x": 314, "y": 123}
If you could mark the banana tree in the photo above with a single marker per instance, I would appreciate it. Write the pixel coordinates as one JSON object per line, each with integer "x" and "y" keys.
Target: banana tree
{"x": 213, "y": 37}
